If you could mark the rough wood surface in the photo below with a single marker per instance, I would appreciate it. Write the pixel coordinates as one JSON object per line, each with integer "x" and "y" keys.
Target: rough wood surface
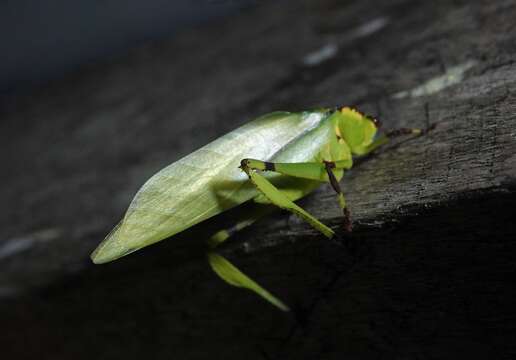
{"x": 432, "y": 266}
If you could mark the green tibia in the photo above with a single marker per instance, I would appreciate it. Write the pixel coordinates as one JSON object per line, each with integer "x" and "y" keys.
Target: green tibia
{"x": 279, "y": 199}
{"x": 229, "y": 273}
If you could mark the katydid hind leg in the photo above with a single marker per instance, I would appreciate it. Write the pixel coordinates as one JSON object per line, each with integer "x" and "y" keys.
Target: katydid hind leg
{"x": 245, "y": 219}
{"x": 233, "y": 276}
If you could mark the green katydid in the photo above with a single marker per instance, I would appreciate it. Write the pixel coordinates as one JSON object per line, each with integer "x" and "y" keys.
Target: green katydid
{"x": 275, "y": 159}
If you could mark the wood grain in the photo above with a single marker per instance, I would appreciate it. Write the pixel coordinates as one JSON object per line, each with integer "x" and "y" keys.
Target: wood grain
{"x": 429, "y": 270}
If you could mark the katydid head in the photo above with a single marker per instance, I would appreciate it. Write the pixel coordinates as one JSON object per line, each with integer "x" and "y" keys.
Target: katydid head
{"x": 357, "y": 130}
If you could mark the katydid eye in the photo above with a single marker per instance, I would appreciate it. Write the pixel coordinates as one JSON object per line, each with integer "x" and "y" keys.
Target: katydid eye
{"x": 375, "y": 121}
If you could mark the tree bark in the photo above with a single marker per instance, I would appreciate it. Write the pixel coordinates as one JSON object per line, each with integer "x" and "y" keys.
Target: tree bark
{"x": 429, "y": 269}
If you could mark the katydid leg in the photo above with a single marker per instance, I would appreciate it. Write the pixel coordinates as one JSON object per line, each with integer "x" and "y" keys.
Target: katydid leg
{"x": 226, "y": 270}
{"x": 246, "y": 219}
{"x": 307, "y": 170}
{"x": 233, "y": 276}
{"x": 329, "y": 171}
{"x": 384, "y": 138}
{"x": 279, "y": 199}
{"x": 340, "y": 196}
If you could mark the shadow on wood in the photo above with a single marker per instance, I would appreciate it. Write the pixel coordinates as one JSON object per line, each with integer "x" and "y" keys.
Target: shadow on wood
{"x": 433, "y": 267}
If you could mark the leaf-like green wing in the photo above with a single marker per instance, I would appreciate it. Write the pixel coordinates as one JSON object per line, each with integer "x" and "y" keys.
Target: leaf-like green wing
{"x": 202, "y": 184}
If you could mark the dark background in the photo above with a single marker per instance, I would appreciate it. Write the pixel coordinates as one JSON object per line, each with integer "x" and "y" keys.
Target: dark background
{"x": 98, "y": 96}
{"x": 44, "y": 40}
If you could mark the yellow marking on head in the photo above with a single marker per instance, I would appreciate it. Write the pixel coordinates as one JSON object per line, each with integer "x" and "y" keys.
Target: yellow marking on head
{"x": 352, "y": 112}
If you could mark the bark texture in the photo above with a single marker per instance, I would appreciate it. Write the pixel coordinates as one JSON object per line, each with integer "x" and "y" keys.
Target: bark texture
{"x": 431, "y": 264}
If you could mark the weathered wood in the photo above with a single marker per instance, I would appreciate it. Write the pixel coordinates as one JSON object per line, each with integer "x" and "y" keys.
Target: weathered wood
{"x": 432, "y": 266}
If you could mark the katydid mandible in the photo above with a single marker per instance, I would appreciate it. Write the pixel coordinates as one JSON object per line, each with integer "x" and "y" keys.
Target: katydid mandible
{"x": 275, "y": 159}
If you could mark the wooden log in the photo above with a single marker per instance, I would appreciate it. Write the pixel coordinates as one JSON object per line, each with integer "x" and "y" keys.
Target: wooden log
{"x": 432, "y": 267}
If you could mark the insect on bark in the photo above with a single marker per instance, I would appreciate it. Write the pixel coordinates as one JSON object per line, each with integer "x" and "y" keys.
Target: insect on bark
{"x": 275, "y": 159}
